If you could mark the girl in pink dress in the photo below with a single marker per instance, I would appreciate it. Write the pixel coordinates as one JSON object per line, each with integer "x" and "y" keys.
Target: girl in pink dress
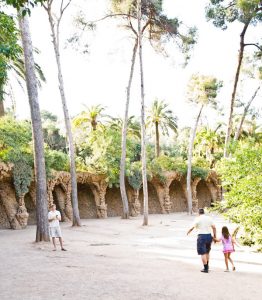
{"x": 228, "y": 247}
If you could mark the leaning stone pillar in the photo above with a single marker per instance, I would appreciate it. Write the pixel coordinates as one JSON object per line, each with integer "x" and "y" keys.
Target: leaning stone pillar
{"x": 11, "y": 206}
{"x": 194, "y": 194}
{"x": 102, "y": 207}
{"x": 68, "y": 206}
{"x": 99, "y": 191}
{"x": 167, "y": 202}
{"x": 162, "y": 190}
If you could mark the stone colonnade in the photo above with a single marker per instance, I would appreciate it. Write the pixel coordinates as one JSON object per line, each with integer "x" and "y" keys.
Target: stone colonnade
{"x": 97, "y": 200}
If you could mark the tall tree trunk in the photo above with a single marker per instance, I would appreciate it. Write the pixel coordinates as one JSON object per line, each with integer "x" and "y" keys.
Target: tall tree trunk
{"x": 93, "y": 125}
{"x": 2, "y": 107}
{"x": 232, "y": 103}
{"x": 189, "y": 163}
{"x": 55, "y": 41}
{"x": 143, "y": 133}
{"x": 157, "y": 145}
{"x": 124, "y": 134}
{"x": 42, "y": 232}
{"x": 237, "y": 134}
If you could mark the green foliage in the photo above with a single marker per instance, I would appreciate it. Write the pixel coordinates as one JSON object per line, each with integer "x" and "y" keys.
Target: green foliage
{"x": 90, "y": 117}
{"x": 11, "y": 53}
{"x": 24, "y": 5}
{"x": 16, "y": 148}
{"x": 134, "y": 175}
{"x": 162, "y": 163}
{"x": 9, "y": 37}
{"x": 22, "y": 171}
{"x": 199, "y": 172}
{"x": 208, "y": 146}
{"x": 200, "y": 162}
{"x": 159, "y": 28}
{"x": 52, "y": 136}
{"x": 13, "y": 135}
{"x": 241, "y": 178}
{"x": 101, "y": 153}
{"x": 10, "y": 50}
{"x": 161, "y": 115}
{"x": 133, "y": 126}
{"x": 203, "y": 89}
{"x": 56, "y": 160}
{"x": 222, "y": 12}
{"x": 166, "y": 163}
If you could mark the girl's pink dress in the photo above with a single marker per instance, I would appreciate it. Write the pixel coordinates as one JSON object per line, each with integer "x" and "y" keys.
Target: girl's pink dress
{"x": 228, "y": 246}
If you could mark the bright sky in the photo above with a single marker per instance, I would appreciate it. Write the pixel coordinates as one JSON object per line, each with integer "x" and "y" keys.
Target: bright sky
{"x": 101, "y": 76}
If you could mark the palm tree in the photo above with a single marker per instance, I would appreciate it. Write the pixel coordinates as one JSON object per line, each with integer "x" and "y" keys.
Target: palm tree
{"x": 202, "y": 90}
{"x": 161, "y": 118}
{"x": 11, "y": 57}
{"x": 209, "y": 142}
{"x": 133, "y": 126}
{"x": 90, "y": 116}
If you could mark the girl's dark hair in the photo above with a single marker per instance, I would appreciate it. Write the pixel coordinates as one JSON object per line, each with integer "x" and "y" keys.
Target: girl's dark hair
{"x": 225, "y": 232}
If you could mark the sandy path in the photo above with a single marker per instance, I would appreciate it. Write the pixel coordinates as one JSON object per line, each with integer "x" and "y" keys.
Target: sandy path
{"x": 119, "y": 259}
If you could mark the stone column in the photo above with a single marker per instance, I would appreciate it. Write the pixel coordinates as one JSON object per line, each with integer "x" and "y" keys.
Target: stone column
{"x": 194, "y": 193}
{"x": 99, "y": 191}
{"x": 135, "y": 204}
{"x": 162, "y": 190}
{"x": 68, "y": 205}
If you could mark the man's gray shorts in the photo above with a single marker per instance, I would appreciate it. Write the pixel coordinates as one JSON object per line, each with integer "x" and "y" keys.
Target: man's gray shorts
{"x": 55, "y": 232}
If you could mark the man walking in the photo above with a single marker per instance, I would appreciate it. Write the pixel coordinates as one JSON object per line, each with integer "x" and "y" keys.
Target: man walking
{"x": 204, "y": 224}
{"x": 54, "y": 217}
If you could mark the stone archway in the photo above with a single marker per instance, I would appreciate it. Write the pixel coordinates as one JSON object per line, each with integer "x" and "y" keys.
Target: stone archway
{"x": 177, "y": 197}
{"x": 31, "y": 209}
{"x": 59, "y": 199}
{"x": 4, "y": 222}
{"x": 114, "y": 202}
{"x": 154, "y": 206}
{"x": 203, "y": 194}
{"x": 86, "y": 202}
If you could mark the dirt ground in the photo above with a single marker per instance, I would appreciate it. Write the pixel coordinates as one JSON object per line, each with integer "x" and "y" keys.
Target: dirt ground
{"x": 120, "y": 259}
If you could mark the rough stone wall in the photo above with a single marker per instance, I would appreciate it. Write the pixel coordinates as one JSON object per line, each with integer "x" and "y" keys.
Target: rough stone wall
{"x": 154, "y": 206}
{"x": 86, "y": 202}
{"x": 4, "y": 222}
{"x": 31, "y": 209}
{"x": 97, "y": 200}
{"x": 9, "y": 204}
{"x": 114, "y": 202}
{"x": 177, "y": 197}
{"x": 203, "y": 194}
